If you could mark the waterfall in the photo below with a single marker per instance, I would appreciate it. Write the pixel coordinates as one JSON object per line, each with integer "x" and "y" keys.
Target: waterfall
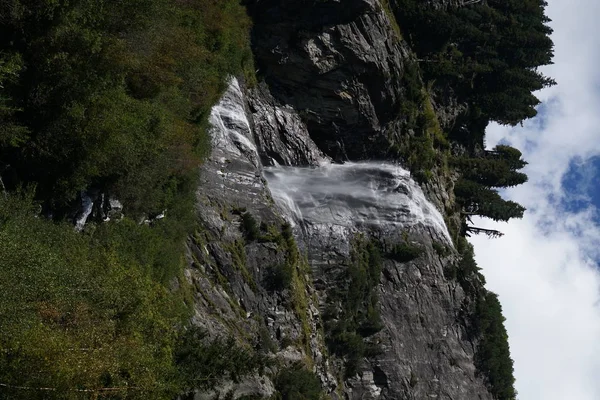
{"x": 87, "y": 205}
{"x": 346, "y": 196}
{"x": 353, "y": 195}
{"x": 231, "y": 132}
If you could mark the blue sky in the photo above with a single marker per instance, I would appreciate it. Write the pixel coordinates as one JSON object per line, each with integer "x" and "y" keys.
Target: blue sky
{"x": 546, "y": 267}
{"x": 581, "y": 182}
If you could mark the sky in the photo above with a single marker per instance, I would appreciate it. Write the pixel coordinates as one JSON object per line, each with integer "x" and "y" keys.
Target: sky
{"x": 546, "y": 268}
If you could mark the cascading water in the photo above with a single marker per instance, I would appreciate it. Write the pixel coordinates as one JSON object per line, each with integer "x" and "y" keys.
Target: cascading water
{"x": 353, "y": 195}
{"x": 331, "y": 197}
{"x": 231, "y": 131}
{"x": 86, "y": 209}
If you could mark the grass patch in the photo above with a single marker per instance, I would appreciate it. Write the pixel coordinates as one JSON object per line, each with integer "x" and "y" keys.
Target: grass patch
{"x": 237, "y": 250}
{"x": 387, "y": 8}
{"x": 68, "y": 299}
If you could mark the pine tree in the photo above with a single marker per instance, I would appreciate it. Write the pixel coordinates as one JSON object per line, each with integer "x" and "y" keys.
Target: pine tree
{"x": 480, "y": 200}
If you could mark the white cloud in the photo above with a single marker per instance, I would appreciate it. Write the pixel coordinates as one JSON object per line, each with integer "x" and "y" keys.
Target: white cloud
{"x": 543, "y": 268}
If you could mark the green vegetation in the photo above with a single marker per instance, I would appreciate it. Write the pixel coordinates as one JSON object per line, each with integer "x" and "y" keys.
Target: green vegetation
{"x": 388, "y": 11}
{"x": 405, "y": 252}
{"x": 487, "y": 52}
{"x": 475, "y": 190}
{"x": 113, "y": 95}
{"x": 95, "y": 300}
{"x": 441, "y": 249}
{"x": 291, "y": 276}
{"x": 279, "y": 277}
{"x": 69, "y": 300}
{"x": 204, "y": 364}
{"x": 485, "y": 324}
{"x": 297, "y": 383}
{"x": 237, "y": 250}
{"x": 357, "y": 316}
{"x": 299, "y": 268}
{"x": 422, "y": 147}
{"x": 493, "y": 354}
{"x": 250, "y": 227}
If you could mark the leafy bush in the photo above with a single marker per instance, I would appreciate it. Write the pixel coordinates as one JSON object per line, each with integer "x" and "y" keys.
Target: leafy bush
{"x": 250, "y": 227}
{"x": 205, "y": 363}
{"x": 405, "y": 252}
{"x": 486, "y": 324}
{"x": 279, "y": 277}
{"x": 441, "y": 249}
{"x": 113, "y": 95}
{"x": 297, "y": 383}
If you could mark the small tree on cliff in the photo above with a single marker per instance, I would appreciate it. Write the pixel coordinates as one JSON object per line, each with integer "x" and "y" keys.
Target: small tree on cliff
{"x": 490, "y": 172}
{"x": 480, "y": 200}
{"x": 510, "y": 155}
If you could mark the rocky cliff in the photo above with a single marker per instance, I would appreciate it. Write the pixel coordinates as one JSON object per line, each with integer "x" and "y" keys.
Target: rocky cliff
{"x": 341, "y": 267}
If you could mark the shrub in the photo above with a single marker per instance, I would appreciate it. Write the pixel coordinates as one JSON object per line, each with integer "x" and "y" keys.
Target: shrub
{"x": 122, "y": 93}
{"x": 297, "y": 383}
{"x": 68, "y": 300}
{"x": 405, "y": 252}
{"x": 204, "y": 363}
{"x": 279, "y": 277}
{"x": 250, "y": 227}
{"x": 492, "y": 357}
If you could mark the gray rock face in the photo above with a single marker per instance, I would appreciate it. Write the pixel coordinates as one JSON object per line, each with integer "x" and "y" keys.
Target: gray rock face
{"x": 424, "y": 351}
{"x": 333, "y": 74}
{"x": 280, "y": 133}
{"x": 230, "y": 271}
{"x": 339, "y": 63}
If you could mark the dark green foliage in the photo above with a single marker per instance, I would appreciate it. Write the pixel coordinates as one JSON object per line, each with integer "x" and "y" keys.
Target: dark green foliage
{"x": 278, "y": 277}
{"x": 359, "y": 315}
{"x": 508, "y": 154}
{"x": 441, "y": 249}
{"x": 286, "y": 231}
{"x": 68, "y": 300}
{"x": 479, "y": 175}
{"x": 158, "y": 246}
{"x": 466, "y": 269}
{"x": 487, "y": 52}
{"x": 265, "y": 342}
{"x": 496, "y": 168}
{"x": 281, "y": 276}
{"x": 480, "y": 200}
{"x": 205, "y": 363}
{"x": 405, "y": 252}
{"x": 418, "y": 149}
{"x": 297, "y": 383}
{"x": 109, "y": 95}
{"x": 486, "y": 324}
{"x": 112, "y": 94}
{"x": 492, "y": 358}
{"x": 490, "y": 172}
{"x": 250, "y": 227}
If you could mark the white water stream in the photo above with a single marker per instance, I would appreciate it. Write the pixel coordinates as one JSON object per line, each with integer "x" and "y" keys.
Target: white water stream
{"x": 353, "y": 194}
{"x": 343, "y": 195}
